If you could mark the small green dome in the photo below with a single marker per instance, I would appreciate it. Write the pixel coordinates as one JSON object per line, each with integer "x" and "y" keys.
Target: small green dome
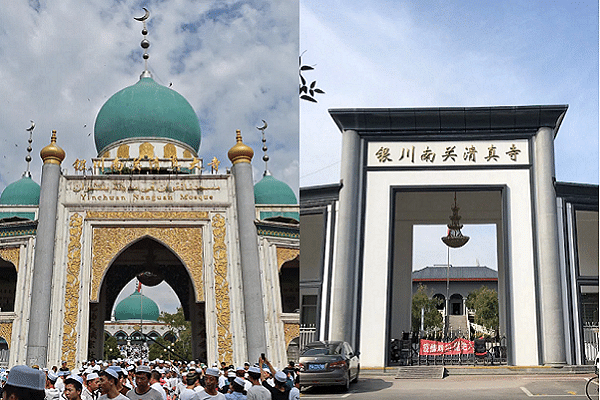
{"x": 22, "y": 192}
{"x": 146, "y": 109}
{"x": 133, "y": 306}
{"x": 271, "y": 191}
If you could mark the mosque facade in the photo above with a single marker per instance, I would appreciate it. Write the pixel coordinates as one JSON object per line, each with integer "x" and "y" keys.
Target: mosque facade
{"x": 148, "y": 206}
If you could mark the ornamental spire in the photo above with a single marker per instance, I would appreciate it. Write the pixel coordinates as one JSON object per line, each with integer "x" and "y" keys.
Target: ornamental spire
{"x": 264, "y": 147}
{"x": 145, "y": 43}
{"x": 27, "y": 173}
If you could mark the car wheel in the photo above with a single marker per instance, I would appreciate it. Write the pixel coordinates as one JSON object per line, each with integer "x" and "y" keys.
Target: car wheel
{"x": 357, "y": 373}
{"x": 346, "y": 386}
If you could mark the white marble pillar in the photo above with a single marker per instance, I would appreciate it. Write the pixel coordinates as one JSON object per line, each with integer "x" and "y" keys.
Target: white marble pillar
{"x": 344, "y": 285}
{"x": 548, "y": 263}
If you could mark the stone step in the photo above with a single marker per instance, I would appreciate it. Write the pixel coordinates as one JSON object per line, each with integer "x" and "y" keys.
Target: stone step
{"x": 420, "y": 372}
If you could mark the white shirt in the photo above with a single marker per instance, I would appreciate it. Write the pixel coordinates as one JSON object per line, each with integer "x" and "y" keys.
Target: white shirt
{"x": 205, "y": 396}
{"x": 158, "y": 387}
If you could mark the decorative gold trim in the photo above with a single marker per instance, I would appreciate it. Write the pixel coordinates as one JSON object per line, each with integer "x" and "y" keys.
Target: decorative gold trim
{"x": 169, "y": 150}
{"x": 107, "y": 242}
{"x": 146, "y": 150}
{"x": 6, "y": 331}
{"x": 130, "y": 215}
{"x": 187, "y": 154}
{"x": 69, "y": 344}
{"x": 11, "y": 254}
{"x": 123, "y": 151}
{"x": 52, "y": 154}
{"x": 285, "y": 254}
{"x": 225, "y": 346}
{"x": 291, "y": 331}
{"x": 240, "y": 152}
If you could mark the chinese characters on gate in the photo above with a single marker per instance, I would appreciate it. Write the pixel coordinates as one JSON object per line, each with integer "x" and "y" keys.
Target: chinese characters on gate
{"x": 448, "y": 153}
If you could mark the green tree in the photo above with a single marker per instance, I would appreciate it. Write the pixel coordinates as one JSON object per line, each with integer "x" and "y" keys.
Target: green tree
{"x": 182, "y": 330}
{"x": 432, "y": 317}
{"x": 485, "y": 303}
{"x": 111, "y": 348}
{"x": 156, "y": 350}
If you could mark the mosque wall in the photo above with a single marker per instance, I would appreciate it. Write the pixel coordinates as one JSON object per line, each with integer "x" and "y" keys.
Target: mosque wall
{"x": 273, "y": 251}
{"x": 14, "y": 324}
{"x": 90, "y": 236}
{"x": 519, "y": 264}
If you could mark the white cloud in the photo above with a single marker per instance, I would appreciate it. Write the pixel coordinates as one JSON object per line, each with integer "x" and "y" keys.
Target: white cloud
{"x": 235, "y": 62}
{"x": 445, "y": 54}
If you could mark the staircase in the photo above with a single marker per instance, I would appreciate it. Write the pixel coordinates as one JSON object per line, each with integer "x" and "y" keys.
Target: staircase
{"x": 459, "y": 323}
{"x": 420, "y": 372}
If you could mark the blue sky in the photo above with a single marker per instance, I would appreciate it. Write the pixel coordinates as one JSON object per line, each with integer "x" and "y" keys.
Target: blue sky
{"x": 384, "y": 53}
{"x": 234, "y": 61}
{"x": 450, "y": 53}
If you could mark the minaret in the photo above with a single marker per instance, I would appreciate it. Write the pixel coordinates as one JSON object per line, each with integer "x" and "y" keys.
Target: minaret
{"x": 41, "y": 290}
{"x": 241, "y": 157}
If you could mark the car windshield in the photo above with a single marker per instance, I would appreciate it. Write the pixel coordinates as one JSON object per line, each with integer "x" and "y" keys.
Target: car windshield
{"x": 322, "y": 351}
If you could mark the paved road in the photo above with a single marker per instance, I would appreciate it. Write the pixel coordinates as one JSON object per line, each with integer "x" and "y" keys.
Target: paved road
{"x": 541, "y": 387}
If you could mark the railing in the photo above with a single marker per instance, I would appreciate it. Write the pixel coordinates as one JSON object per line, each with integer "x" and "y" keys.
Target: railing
{"x": 405, "y": 351}
{"x": 308, "y": 333}
{"x": 482, "y": 330}
{"x": 4, "y": 356}
{"x": 590, "y": 342}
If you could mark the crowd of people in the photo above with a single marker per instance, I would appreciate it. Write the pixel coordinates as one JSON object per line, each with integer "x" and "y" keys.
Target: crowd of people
{"x": 134, "y": 351}
{"x": 126, "y": 379}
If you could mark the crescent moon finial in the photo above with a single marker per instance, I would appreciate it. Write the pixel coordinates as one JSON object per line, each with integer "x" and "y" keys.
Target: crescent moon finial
{"x": 145, "y": 17}
{"x": 30, "y": 129}
{"x": 262, "y": 128}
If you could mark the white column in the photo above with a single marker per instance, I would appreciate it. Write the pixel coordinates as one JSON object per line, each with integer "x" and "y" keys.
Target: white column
{"x": 548, "y": 263}
{"x": 344, "y": 283}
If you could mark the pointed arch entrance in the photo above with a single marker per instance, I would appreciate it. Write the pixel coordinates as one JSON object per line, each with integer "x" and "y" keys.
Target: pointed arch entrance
{"x": 150, "y": 250}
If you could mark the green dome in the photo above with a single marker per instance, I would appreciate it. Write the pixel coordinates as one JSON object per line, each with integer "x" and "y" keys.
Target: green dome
{"x": 132, "y": 307}
{"x": 22, "y": 192}
{"x": 146, "y": 109}
{"x": 271, "y": 191}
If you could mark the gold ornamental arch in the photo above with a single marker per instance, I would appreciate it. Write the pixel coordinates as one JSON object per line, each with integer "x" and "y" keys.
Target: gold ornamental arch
{"x": 109, "y": 242}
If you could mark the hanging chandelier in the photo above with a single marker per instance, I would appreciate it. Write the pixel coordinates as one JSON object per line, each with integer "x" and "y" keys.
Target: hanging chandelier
{"x": 455, "y": 238}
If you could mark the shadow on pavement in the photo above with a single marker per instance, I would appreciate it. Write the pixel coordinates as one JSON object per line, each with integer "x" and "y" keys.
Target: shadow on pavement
{"x": 363, "y": 385}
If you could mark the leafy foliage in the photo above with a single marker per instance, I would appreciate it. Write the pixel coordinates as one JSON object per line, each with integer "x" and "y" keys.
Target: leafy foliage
{"x": 485, "y": 303}
{"x": 111, "y": 348}
{"x": 182, "y": 329}
{"x": 311, "y": 89}
{"x": 432, "y": 317}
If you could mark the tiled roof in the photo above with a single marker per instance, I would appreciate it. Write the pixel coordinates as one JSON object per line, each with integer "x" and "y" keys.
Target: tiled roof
{"x": 455, "y": 273}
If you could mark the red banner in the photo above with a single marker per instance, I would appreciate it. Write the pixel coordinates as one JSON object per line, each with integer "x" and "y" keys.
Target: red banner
{"x": 435, "y": 348}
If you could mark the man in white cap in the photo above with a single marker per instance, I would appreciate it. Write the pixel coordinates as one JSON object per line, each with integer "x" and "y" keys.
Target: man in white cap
{"x": 155, "y": 383}
{"x": 257, "y": 391}
{"x": 73, "y": 387}
{"x": 211, "y": 381}
{"x": 192, "y": 381}
{"x": 52, "y": 393}
{"x": 109, "y": 380}
{"x": 90, "y": 390}
{"x": 280, "y": 391}
{"x": 143, "y": 390}
{"x": 24, "y": 383}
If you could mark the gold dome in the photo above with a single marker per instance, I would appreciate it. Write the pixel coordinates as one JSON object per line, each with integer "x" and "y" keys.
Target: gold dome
{"x": 240, "y": 152}
{"x": 52, "y": 153}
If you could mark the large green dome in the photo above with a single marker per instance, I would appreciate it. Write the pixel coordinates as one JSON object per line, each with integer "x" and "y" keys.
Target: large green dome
{"x": 133, "y": 306}
{"x": 22, "y": 192}
{"x": 271, "y": 191}
{"x": 147, "y": 110}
